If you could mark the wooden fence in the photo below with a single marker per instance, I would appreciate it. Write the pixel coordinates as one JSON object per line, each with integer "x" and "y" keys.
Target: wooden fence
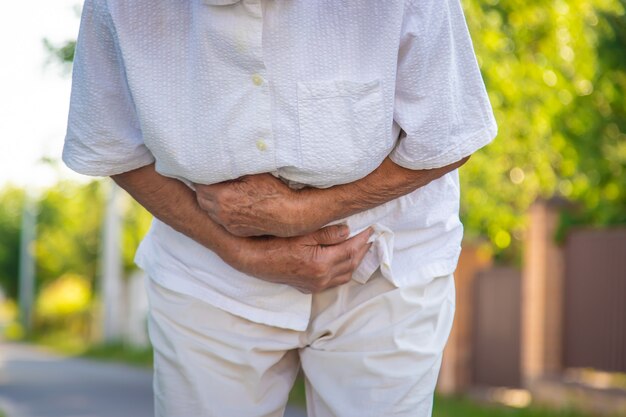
{"x": 496, "y": 328}
{"x": 565, "y": 308}
{"x": 595, "y": 300}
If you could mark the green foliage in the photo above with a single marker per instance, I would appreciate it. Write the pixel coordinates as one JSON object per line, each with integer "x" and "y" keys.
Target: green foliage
{"x": 67, "y": 250}
{"x": 136, "y": 224}
{"x": 65, "y": 305}
{"x": 68, "y": 295}
{"x": 11, "y": 204}
{"x": 594, "y": 128}
{"x": 63, "y": 53}
{"x": 556, "y": 76}
{"x": 69, "y": 230}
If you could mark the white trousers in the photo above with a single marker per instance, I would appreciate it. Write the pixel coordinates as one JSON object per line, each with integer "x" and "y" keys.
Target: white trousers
{"x": 370, "y": 350}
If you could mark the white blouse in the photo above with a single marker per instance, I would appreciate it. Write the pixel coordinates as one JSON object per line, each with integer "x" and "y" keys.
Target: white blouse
{"x": 317, "y": 92}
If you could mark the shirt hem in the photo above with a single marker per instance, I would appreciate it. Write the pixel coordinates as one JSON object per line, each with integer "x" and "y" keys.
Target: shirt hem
{"x": 104, "y": 169}
{"x": 468, "y": 146}
{"x": 163, "y": 277}
{"x": 175, "y": 281}
{"x": 428, "y": 272}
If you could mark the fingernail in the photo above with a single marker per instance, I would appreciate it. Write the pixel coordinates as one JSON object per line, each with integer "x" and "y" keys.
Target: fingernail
{"x": 344, "y": 232}
{"x": 370, "y": 231}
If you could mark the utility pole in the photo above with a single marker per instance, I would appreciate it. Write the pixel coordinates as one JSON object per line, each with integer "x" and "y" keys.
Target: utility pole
{"x": 27, "y": 262}
{"x": 111, "y": 267}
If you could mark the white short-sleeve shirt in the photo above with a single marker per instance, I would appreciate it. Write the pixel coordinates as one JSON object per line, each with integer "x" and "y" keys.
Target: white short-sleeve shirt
{"x": 317, "y": 92}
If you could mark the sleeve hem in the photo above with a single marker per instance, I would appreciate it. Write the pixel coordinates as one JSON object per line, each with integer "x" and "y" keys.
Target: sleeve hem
{"x": 103, "y": 168}
{"x": 466, "y": 147}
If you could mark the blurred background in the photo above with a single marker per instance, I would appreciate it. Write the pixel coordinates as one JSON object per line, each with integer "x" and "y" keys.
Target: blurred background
{"x": 540, "y": 328}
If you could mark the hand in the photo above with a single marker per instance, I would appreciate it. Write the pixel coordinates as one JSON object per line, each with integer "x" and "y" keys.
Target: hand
{"x": 309, "y": 263}
{"x": 256, "y": 205}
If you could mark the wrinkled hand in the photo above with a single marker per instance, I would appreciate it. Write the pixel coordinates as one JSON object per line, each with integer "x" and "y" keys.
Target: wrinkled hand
{"x": 256, "y": 205}
{"x": 309, "y": 263}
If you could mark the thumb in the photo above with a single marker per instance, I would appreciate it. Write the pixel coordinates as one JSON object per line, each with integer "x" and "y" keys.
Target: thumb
{"x": 331, "y": 235}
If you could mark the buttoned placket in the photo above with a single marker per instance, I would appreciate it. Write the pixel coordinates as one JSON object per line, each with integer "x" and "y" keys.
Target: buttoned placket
{"x": 263, "y": 140}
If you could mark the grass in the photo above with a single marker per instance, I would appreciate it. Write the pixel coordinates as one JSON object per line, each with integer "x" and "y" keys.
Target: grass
{"x": 119, "y": 352}
{"x": 111, "y": 352}
{"x": 297, "y": 396}
{"x": 464, "y": 407}
{"x": 61, "y": 342}
{"x": 446, "y": 406}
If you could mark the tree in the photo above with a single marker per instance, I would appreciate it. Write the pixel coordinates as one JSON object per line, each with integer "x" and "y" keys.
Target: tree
{"x": 11, "y": 206}
{"x": 554, "y": 71}
{"x": 69, "y": 231}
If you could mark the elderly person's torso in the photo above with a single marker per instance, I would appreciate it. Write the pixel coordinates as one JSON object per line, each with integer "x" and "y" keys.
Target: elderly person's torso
{"x": 317, "y": 92}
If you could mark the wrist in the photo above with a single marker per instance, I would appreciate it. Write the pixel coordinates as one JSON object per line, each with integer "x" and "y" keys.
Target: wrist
{"x": 312, "y": 209}
{"x": 235, "y": 250}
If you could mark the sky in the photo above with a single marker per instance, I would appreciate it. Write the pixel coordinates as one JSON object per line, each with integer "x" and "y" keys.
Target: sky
{"x": 34, "y": 96}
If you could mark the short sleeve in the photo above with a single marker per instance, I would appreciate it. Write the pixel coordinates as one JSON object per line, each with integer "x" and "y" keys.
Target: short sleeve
{"x": 103, "y": 133}
{"x": 441, "y": 104}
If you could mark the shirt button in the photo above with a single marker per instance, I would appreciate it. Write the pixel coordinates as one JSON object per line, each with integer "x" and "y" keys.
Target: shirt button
{"x": 257, "y": 80}
{"x": 261, "y": 145}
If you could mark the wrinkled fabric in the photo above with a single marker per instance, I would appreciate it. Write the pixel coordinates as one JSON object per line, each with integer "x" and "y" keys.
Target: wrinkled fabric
{"x": 382, "y": 249}
{"x": 370, "y": 351}
{"x": 316, "y": 92}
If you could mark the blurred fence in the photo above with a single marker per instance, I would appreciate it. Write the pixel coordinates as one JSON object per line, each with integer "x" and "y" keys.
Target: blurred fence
{"x": 565, "y": 310}
{"x": 595, "y": 300}
{"x": 496, "y": 328}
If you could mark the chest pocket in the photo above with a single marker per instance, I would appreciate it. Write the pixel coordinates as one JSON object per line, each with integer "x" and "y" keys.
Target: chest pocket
{"x": 342, "y": 128}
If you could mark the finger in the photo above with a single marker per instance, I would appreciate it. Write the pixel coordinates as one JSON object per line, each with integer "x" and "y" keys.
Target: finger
{"x": 346, "y": 250}
{"x": 362, "y": 237}
{"x": 352, "y": 263}
{"x": 331, "y": 235}
{"x": 342, "y": 272}
{"x": 339, "y": 280}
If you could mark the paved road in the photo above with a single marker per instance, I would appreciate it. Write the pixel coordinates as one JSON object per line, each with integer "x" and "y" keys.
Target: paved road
{"x": 37, "y": 383}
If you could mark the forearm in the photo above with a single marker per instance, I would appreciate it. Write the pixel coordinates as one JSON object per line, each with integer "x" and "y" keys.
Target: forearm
{"x": 256, "y": 205}
{"x": 175, "y": 204}
{"x": 387, "y": 182}
{"x": 309, "y": 263}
